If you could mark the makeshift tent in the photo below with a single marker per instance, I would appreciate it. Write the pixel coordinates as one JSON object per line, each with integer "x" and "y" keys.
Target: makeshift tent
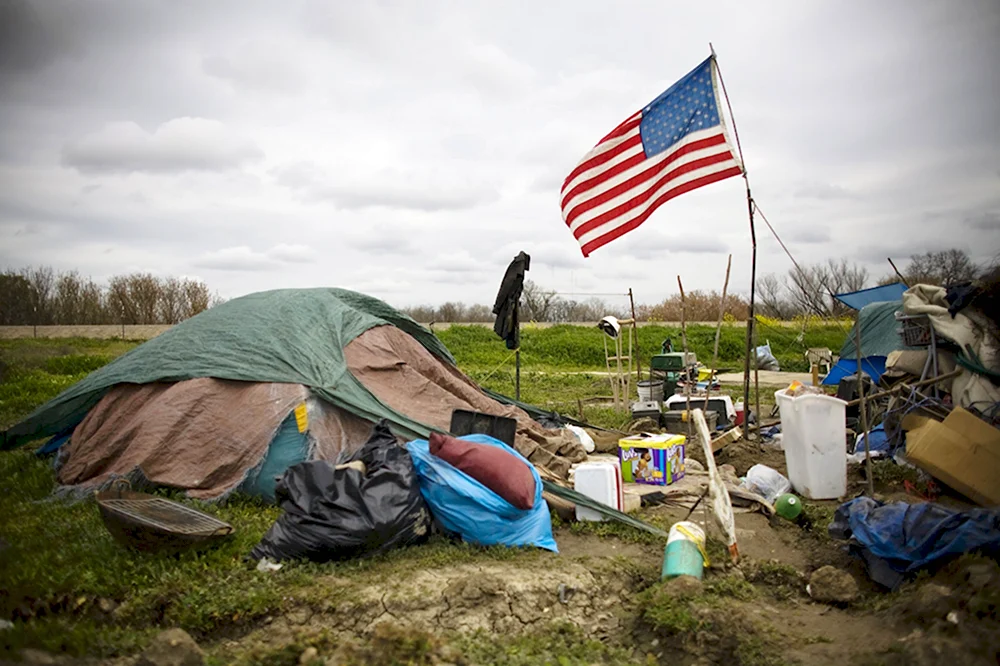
{"x": 881, "y": 294}
{"x": 879, "y": 338}
{"x": 232, "y": 396}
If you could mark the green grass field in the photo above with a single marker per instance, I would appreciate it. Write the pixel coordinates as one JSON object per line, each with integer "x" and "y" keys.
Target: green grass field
{"x": 72, "y": 589}
{"x": 567, "y": 347}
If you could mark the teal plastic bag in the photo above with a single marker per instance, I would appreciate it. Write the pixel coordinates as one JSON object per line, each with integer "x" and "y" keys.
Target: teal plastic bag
{"x": 466, "y": 507}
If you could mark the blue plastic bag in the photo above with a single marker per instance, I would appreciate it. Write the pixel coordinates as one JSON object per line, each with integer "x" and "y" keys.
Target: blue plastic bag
{"x": 464, "y": 506}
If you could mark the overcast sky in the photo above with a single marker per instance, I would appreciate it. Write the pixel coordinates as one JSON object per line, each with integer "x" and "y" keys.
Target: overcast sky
{"x": 410, "y": 149}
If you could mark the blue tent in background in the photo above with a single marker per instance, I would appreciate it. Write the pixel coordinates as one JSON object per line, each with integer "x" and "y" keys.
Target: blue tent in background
{"x": 879, "y": 334}
{"x": 859, "y": 299}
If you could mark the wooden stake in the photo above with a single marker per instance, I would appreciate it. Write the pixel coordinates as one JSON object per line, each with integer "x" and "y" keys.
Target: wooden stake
{"x": 896, "y": 271}
{"x": 638, "y": 364}
{"x": 718, "y": 331}
{"x": 864, "y": 412}
{"x": 684, "y": 348}
{"x": 750, "y": 315}
{"x": 756, "y": 381}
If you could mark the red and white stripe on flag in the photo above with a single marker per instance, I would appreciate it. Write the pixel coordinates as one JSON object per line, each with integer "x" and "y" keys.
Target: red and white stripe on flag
{"x": 676, "y": 144}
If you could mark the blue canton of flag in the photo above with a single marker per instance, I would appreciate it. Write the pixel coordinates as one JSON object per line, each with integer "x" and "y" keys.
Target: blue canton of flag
{"x": 675, "y": 144}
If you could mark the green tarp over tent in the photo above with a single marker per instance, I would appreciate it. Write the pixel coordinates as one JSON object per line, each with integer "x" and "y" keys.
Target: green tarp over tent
{"x": 287, "y": 335}
{"x": 879, "y": 331}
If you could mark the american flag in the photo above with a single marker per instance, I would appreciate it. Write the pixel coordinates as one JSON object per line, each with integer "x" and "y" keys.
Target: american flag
{"x": 676, "y": 144}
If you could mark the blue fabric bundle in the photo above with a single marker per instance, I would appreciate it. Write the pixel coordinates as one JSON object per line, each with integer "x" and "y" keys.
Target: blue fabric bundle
{"x": 900, "y": 538}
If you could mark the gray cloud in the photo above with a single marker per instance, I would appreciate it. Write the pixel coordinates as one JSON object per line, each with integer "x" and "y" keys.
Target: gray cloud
{"x": 823, "y": 191}
{"x": 986, "y": 221}
{"x": 385, "y": 188}
{"x": 257, "y": 66}
{"x": 389, "y": 139}
{"x": 27, "y": 41}
{"x": 243, "y": 258}
{"x": 808, "y": 235}
{"x": 180, "y": 144}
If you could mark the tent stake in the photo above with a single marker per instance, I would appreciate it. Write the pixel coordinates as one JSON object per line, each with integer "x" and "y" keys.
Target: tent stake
{"x": 864, "y": 412}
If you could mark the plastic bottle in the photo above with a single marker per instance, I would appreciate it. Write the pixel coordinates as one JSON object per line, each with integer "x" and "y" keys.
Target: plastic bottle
{"x": 788, "y": 506}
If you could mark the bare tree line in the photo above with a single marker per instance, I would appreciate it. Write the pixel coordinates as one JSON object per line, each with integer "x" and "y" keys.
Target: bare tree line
{"x": 544, "y": 305}
{"x": 809, "y": 290}
{"x": 41, "y": 296}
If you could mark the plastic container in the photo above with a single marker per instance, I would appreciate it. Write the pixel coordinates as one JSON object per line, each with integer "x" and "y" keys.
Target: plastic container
{"x": 813, "y": 428}
{"x": 650, "y": 390}
{"x": 600, "y": 481}
{"x": 684, "y": 554}
{"x": 766, "y": 482}
{"x": 740, "y": 414}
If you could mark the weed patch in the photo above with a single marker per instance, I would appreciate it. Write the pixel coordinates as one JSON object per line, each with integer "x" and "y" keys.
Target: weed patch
{"x": 561, "y": 644}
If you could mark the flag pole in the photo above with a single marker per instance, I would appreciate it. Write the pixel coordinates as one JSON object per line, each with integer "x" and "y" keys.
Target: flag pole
{"x": 751, "y": 320}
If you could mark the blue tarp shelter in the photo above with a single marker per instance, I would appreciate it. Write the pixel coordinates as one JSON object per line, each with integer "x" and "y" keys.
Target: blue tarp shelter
{"x": 879, "y": 337}
{"x": 883, "y": 293}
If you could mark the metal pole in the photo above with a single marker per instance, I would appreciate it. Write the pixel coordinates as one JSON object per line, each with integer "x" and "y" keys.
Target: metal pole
{"x": 864, "y": 411}
{"x": 638, "y": 365}
{"x": 517, "y": 374}
{"x": 750, "y": 316}
{"x": 684, "y": 347}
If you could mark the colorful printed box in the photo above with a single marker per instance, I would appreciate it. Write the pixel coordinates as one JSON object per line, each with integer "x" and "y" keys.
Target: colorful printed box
{"x": 653, "y": 459}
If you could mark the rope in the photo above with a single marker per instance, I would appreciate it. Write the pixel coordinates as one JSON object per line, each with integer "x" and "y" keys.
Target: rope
{"x": 502, "y": 363}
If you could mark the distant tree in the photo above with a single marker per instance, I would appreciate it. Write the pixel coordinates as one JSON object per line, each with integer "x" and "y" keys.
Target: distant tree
{"x": 944, "y": 268}
{"x": 170, "y": 307}
{"x": 15, "y": 299}
{"x": 772, "y": 298}
{"x": 479, "y": 313}
{"x": 42, "y": 281}
{"x": 537, "y": 304}
{"x": 197, "y": 298}
{"x": 699, "y": 306}
{"x": 39, "y": 295}
{"x": 452, "y": 311}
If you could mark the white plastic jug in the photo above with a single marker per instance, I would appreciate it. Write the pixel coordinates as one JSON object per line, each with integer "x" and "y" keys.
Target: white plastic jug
{"x": 813, "y": 436}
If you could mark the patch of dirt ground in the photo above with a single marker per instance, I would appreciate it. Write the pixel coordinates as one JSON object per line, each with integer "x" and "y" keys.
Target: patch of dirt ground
{"x": 596, "y": 585}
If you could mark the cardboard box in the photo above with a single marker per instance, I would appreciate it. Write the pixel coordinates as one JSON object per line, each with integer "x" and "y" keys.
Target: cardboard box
{"x": 963, "y": 451}
{"x": 653, "y": 459}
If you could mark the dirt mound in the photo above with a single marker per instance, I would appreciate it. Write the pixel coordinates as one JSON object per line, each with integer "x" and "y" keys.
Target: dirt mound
{"x": 495, "y": 598}
{"x": 953, "y": 613}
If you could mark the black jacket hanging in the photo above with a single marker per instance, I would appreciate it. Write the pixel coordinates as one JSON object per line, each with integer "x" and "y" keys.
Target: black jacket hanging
{"x": 506, "y": 306}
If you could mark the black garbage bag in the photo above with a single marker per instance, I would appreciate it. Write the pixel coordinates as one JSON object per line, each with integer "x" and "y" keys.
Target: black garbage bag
{"x": 338, "y": 514}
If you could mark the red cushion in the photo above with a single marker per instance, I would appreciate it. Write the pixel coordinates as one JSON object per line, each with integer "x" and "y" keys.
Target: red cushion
{"x": 498, "y": 470}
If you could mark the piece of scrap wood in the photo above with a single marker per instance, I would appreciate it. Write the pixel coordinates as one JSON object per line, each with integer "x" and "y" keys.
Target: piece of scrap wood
{"x": 726, "y": 438}
{"x": 722, "y": 508}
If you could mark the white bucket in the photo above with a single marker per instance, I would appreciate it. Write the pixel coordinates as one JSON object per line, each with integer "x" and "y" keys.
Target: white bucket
{"x": 650, "y": 390}
{"x": 685, "y": 551}
{"x": 687, "y": 530}
{"x": 813, "y": 428}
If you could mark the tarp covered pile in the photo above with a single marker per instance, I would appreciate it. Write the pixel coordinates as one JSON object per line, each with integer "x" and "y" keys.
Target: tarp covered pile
{"x": 233, "y": 396}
